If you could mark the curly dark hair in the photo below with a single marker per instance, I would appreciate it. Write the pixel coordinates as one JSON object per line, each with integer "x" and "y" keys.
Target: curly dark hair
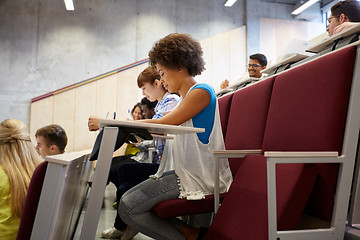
{"x": 176, "y": 51}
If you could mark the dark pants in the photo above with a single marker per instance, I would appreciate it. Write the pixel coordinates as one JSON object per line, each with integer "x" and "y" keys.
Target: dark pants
{"x": 116, "y": 163}
{"x": 131, "y": 174}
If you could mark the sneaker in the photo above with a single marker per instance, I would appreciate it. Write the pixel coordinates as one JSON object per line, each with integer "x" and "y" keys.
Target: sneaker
{"x": 129, "y": 233}
{"x": 112, "y": 233}
{"x": 114, "y": 205}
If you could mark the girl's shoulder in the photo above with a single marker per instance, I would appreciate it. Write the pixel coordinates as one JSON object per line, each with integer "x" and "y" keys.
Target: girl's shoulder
{"x": 206, "y": 87}
{"x": 4, "y": 181}
{"x": 2, "y": 172}
{"x": 171, "y": 96}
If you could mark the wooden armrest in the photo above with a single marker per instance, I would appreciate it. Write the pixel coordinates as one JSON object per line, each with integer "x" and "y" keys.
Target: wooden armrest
{"x": 301, "y": 154}
{"x": 227, "y": 154}
{"x": 303, "y": 157}
{"x": 161, "y": 136}
{"x": 235, "y": 153}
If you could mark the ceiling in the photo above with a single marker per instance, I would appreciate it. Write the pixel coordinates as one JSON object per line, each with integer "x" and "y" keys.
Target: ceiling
{"x": 293, "y": 2}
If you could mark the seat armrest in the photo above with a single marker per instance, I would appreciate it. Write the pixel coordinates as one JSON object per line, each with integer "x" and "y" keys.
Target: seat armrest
{"x": 226, "y": 154}
{"x": 303, "y": 157}
{"x": 161, "y": 136}
{"x": 274, "y": 158}
{"x": 235, "y": 153}
{"x": 301, "y": 154}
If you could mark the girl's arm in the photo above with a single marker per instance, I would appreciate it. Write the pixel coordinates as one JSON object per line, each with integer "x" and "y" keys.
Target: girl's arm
{"x": 193, "y": 103}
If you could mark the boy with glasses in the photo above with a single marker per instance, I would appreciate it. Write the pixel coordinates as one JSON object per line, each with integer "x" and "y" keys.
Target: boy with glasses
{"x": 257, "y": 62}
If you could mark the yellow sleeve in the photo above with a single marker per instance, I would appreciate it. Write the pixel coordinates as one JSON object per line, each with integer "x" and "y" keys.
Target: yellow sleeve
{"x": 8, "y": 224}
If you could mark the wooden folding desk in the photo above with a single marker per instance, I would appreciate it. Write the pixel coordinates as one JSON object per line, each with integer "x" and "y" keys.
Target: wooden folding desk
{"x": 111, "y": 128}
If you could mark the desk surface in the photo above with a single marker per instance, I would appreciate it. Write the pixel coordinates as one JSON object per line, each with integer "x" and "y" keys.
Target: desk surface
{"x": 238, "y": 82}
{"x": 151, "y": 127}
{"x": 347, "y": 32}
{"x": 293, "y": 58}
{"x": 66, "y": 158}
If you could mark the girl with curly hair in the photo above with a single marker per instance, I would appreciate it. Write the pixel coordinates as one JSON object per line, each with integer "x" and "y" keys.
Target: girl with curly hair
{"x": 178, "y": 59}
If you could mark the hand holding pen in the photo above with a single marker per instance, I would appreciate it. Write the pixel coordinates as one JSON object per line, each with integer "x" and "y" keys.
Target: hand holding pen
{"x": 94, "y": 122}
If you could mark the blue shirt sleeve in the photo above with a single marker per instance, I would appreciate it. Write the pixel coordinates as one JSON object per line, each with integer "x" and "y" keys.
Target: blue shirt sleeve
{"x": 205, "y": 119}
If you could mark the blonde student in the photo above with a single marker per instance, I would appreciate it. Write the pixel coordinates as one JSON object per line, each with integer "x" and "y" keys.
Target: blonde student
{"x": 18, "y": 160}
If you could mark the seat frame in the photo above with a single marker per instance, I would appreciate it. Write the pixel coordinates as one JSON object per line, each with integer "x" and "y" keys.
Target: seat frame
{"x": 343, "y": 188}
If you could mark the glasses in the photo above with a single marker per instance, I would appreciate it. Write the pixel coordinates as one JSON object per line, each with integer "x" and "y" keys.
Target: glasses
{"x": 332, "y": 18}
{"x": 253, "y": 65}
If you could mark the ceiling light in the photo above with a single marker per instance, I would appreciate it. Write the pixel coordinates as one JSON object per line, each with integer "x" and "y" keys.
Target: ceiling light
{"x": 304, "y": 6}
{"x": 69, "y": 5}
{"x": 229, "y": 3}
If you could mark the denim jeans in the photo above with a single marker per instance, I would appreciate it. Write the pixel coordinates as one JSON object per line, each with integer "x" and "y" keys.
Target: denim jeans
{"x": 129, "y": 175}
{"x": 136, "y": 204}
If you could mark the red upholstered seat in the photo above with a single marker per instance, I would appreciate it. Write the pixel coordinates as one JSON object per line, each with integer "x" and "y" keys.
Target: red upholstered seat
{"x": 31, "y": 202}
{"x": 307, "y": 113}
{"x": 243, "y": 213}
{"x": 224, "y": 108}
{"x": 183, "y": 207}
{"x": 247, "y": 118}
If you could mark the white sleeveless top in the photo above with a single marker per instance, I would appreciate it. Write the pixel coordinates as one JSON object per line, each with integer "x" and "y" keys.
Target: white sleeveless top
{"x": 193, "y": 153}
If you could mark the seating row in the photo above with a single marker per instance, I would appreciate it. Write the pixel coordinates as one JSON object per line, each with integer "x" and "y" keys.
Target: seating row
{"x": 56, "y": 197}
{"x": 303, "y": 124}
{"x": 295, "y": 121}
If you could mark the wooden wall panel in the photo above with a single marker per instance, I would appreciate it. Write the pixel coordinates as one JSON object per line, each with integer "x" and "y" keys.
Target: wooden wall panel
{"x": 277, "y": 34}
{"x": 221, "y": 57}
{"x": 238, "y": 56}
{"x": 106, "y": 96}
{"x": 64, "y": 115}
{"x": 85, "y": 105}
{"x": 207, "y": 46}
{"x": 41, "y": 115}
{"x": 128, "y": 93}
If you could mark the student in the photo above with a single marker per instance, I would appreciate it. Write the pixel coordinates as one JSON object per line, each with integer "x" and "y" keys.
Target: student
{"x": 131, "y": 174}
{"x": 344, "y": 14}
{"x": 178, "y": 58}
{"x": 18, "y": 160}
{"x": 257, "y": 63}
{"x": 136, "y": 112}
{"x": 51, "y": 140}
{"x": 148, "y": 108}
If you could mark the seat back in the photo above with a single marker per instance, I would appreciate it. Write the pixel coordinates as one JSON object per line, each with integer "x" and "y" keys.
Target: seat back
{"x": 31, "y": 202}
{"x": 247, "y": 118}
{"x": 308, "y": 112}
{"x": 224, "y": 108}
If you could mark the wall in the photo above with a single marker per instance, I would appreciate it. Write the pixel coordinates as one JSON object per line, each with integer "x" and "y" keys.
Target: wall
{"x": 257, "y": 9}
{"x": 119, "y": 92}
{"x": 43, "y": 47}
{"x": 285, "y": 37}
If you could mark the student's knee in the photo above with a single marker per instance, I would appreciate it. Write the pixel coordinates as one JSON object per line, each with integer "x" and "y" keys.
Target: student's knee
{"x": 127, "y": 204}
{"x": 124, "y": 210}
